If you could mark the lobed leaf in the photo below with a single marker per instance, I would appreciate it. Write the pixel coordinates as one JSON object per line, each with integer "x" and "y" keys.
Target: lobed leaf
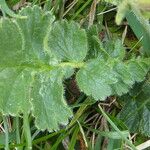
{"x": 30, "y": 76}
{"x": 34, "y": 30}
{"x": 49, "y": 106}
{"x": 67, "y": 41}
{"x": 100, "y": 78}
{"x": 36, "y": 55}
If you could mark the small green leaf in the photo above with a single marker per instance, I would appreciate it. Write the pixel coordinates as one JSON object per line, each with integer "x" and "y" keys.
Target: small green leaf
{"x": 34, "y": 30}
{"x": 100, "y": 78}
{"x": 139, "y": 68}
{"x": 115, "y": 49}
{"x": 94, "y": 45}
{"x": 136, "y": 111}
{"x": 67, "y": 41}
{"x": 95, "y": 79}
{"x": 49, "y": 107}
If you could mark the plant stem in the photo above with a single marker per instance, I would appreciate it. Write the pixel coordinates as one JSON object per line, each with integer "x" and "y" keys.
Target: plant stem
{"x": 6, "y": 133}
{"x": 17, "y": 132}
{"x": 27, "y": 132}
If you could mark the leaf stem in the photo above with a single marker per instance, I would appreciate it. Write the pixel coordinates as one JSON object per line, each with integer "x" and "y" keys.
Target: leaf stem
{"x": 6, "y": 133}
{"x": 27, "y": 133}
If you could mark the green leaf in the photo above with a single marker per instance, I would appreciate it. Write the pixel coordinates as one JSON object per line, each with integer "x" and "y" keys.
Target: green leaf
{"x": 67, "y": 41}
{"x": 49, "y": 106}
{"x": 30, "y": 76}
{"x": 34, "y": 30}
{"x": 114, "y": 48}
{"x": 93, "y": 41}
{"x": 136, "y": 111}
{"x": 94, "y": 79}
{"x": 101, "y": 78}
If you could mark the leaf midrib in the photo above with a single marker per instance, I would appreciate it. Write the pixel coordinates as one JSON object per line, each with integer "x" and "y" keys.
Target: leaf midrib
{"x": 46, "y": 67}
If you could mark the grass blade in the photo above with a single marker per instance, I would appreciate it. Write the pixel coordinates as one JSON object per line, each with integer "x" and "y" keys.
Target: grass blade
{"x": 117, "y": 129}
